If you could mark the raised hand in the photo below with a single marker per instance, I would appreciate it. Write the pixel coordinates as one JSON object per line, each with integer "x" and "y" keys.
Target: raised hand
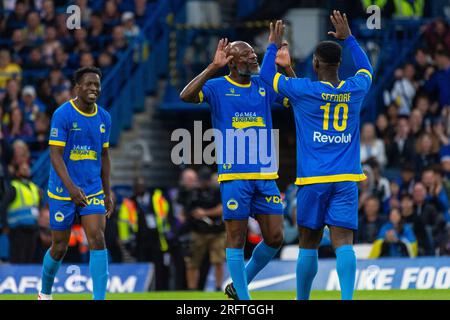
{"x": 340, "y": 23}
{"x": 283, "y": 58}
{"x": 220, "y": 58}
{"x": 276, "y": 33}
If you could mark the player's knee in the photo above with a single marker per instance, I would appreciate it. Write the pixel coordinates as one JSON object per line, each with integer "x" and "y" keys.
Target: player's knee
{"x": 59, "y": 250}
{"x": 275, "y": 240}
{"x": 236, "y": 241}
{"x": 97, "y": 242}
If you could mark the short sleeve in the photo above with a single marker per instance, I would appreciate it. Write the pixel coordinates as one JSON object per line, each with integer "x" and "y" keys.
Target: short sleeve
{"x": 107, "y": 129}
{"x": 292, "y": 88}
{"x": 206, "y": 94}
{"x": 59, "y": 129}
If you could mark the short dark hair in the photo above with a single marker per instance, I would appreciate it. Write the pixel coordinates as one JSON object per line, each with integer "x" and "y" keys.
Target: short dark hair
{"x": 329, "y": 52}
{"x": 443, "y": 52}
{"x": 82, "y": 71}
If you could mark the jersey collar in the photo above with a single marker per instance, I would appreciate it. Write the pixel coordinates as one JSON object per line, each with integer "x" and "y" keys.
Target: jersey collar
{"x": 84, "y": 113}
{"x": 330, "y": 84}
{"x": 238, "y": 84}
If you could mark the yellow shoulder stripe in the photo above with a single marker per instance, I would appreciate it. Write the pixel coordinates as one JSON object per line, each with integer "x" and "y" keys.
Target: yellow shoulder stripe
{"x": 364, "y": 71}
{"x": 275, "y": 81}
{"x": 56, "y": 143}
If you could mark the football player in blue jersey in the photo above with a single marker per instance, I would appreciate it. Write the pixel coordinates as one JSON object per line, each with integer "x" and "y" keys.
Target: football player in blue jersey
{"x": 328, "y": 157}
{"x": 241, "y": 103}
{"x": 79, "y": 182}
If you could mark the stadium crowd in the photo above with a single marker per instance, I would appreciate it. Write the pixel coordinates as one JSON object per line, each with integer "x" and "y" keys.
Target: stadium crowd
{"x": 403, "y": 205}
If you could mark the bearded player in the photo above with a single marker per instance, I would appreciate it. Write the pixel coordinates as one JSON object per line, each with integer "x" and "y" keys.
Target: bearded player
{"x": 241, "y": 102}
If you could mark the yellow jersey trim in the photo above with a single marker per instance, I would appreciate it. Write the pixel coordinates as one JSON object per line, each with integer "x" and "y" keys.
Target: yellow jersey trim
{"x": 341, "y": 84}
{"x": 106, "y": 145}
{"x": 200, "y": 96}
{"x": 286, "y": 102}
{"x": 248, "y": 176}
{"x": 54, "y": 196}
{"x": 275, "y": 81}
{"x": 365, "y": 71}
{"x": 331, "y": 85}
{"x": 330, "y": 178}
{"x": 84, "y": 113}
{"x": 247, "y": 85}
{"x": 56, "y": 143}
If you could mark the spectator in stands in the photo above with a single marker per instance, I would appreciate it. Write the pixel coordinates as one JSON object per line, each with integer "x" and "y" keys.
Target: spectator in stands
{"x": 429, "y": 223}
{"x": 105, "y": 62}
{"x": 112, "y": 237}
{"x": 416, "y": 123}
{"x": 119, "y": 42}
{"x": 437, "y": 33}
{"x": 19, "y": 49}
{"x": 34, "y": 30}
{"x": 28, "y": 104}
{"x": 371, "y": 146}
{"x": 61, "y": 59}
{"x": 48, "y": 15}
{"x": 12, "y": 96}
{"x": 404, "y": 88}
{"x": 439, "y": 81}
{"x": 35, "y": 61}
{"x": 45, "y": 95}
{"x": 383, "y": 130}
{"x": 111, "y": 16}
{"x": 8, "y": 69}
{"x": 425, "y": 155}
{"x": 370, "y": 222}
{"x": 381, "y": 188}
{"x": 21, "y": 205}
{"x": 50, "y": 44}
{"x": 41, "y": 132}
{"x": 17, "y": 19}
{"x": 432, "y": 178}
{"x": 444, "y": 154}
{"x": 401, "y": 149}
{"x": 86, "y": 60}
{"x": 395, "y": 239}
{"x": 97, "y": 31}
{"x": 20, "y": 154}
{"x": 422, "y": 62}
{"x": 131, "y": 30}
{"x": 365, "y": 187}
{"x": 394, "y": 200}
{"x": 141, "y": 12}
{"x": 81, "y": 42}
{"x": 18, "y": 128}
{"x": 392, "y": 114}
{"x": 444, "y": 245}
{"x": 45, "y": 235}
{"x": 406, "y": 180}
{"x": 64, "y": 34}
{"x": 422, "y": 103}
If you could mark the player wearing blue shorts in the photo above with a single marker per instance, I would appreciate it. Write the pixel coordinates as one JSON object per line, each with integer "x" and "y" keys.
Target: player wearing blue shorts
{"x": 241, "y": 104}
{"x": 79, "y": 182}
{"x": 328, "y": 156}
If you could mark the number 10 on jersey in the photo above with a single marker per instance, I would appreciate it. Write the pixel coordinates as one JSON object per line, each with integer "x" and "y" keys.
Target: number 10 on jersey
{"x": 336, "y": 116}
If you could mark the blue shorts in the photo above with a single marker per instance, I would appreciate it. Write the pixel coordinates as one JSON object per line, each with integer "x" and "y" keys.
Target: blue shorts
{"x": 62, "y": 212}
{"x": 242, "y": 199}
{"x": 333, "y": 204}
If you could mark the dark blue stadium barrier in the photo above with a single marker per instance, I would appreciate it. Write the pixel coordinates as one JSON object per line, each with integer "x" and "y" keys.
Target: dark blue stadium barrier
{"x": 123, "y": 278}
{"x": 378, "y": 274}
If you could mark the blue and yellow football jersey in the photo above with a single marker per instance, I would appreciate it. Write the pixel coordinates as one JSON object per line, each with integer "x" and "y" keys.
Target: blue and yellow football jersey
{"x": 243, "y": 112}
{"x": 327, "y": 124}
{"x": 83, "y": 137}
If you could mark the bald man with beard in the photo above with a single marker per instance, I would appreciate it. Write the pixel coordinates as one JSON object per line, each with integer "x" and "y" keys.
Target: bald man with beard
{"x": 241, "y": 103}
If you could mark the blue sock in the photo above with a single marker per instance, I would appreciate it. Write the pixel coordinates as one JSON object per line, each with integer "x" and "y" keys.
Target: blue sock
{"x": 235, "y": 262}
{"x": 346, "y": 270}
{"x": 307, "y": 264}
{"x": 49, "y": 269}
{"x": 261, "y": 256}
{"x": 98, "y": 266}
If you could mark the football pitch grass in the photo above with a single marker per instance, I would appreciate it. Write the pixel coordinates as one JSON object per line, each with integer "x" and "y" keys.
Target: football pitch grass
{"x": 256, "y": 295}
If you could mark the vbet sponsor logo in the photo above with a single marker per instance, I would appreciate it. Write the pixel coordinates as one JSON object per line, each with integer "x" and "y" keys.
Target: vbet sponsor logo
{"x": 380, "y": 274}
{"x": 123, "y": 278}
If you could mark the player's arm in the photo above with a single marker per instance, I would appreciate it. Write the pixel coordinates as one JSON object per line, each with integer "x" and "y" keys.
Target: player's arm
{"x": 56, "y": 157}
{"x": 343, "y": 32}
{"x": 106, "y": 180}
{"x": 193, "y": 91}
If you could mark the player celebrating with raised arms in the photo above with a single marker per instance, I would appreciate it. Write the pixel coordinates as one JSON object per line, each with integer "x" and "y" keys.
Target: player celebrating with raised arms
{"x": 328, "y": 158}
{"x": 79, "y": 182}
{"x": 241, "y": 103}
